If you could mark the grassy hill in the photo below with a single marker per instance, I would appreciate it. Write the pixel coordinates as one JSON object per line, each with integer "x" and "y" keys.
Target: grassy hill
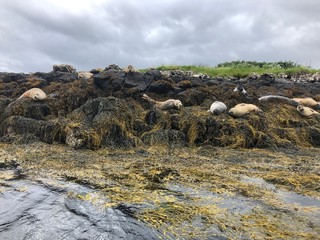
{"x": 244, "y": 68}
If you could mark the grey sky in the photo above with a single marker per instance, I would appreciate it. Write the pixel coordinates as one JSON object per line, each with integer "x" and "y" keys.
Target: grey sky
{"x": 34, "y": 34}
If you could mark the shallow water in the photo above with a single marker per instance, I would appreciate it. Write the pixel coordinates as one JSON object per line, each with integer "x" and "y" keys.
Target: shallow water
{"x": 286, "y": 196}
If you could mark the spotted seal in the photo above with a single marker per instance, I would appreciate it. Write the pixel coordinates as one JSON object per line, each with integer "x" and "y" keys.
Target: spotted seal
{"x": 306, "y": 111}
{"x": 307, "y": 101}
{"x": 168, "y": 104}
{"x": 243, "y": 108}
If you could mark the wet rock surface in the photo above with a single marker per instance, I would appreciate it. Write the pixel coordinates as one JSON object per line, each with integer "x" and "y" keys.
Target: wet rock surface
{"x": 37, "y": 210}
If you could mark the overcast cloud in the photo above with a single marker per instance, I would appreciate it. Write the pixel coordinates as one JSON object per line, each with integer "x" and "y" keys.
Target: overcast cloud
{"x": 34, "y": 34}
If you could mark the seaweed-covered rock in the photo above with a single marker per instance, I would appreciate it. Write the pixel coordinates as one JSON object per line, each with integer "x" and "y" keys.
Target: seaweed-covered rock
{"x": 22, "y": 129}
{"x": 26, "y": 107}
{"x": 314, "y": 136}
{"x": 78, "y": 137}
{"x": 192, "y": 97}
{"x": 110, "y": 118}
{"x": 168, "y": 137}
{"x": 113, "y": 67}
{"x": 4, "y": 102}
{"x": 64, "y": 68}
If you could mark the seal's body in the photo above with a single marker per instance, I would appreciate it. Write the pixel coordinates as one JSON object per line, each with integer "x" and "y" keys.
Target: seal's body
{"x": 217, "y": 108}
{"x": 270, "y": 97}
{"x": 168, "y": 104}
{"x": 278, "y": 97}
{"x": 307, "y": 101}
{"x": 130, "y": 69}
{"x": 34, "y": 93}
{"x": 84, "y": 75}
{"x": 243, "y": 108}
{"x": 306, "y": 111}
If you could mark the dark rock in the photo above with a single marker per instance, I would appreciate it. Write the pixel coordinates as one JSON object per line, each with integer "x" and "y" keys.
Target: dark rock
{"x": 61, "y": 77}
{"x": 138, "y": 81}
{"x": 64, "y": 68}
{"x": 9, "y": 77}
{"x": 212, "y": 82}
{"x": 26, "y": 107}
{"x": 192, "y": 97}
{"x": 160, "y": 87}
{"x": 110, "y": 80}
{"x": 266, "y": 79}
{"x": 113, "y": 67}
{"x": 155, "y": 74}
{"x": 314, "y": 135}
{"x": 96, "y": 70}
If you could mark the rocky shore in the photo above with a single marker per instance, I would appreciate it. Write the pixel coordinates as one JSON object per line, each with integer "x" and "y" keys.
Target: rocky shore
{"x": 106, "y": 109}
{"x": 156, "y": 174}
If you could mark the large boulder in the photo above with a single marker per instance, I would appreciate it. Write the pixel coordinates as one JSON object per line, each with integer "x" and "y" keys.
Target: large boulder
{"x": 138, "y": 81}
{"x": 103, "y": 121}
{"x": 64, "y": 68}
{"x": 110, "y": 80}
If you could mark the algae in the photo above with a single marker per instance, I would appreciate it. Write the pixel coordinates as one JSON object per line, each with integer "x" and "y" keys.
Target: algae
{"x": 214, "y": 200}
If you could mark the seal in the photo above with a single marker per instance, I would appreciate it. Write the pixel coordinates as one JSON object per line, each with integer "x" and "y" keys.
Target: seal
{"x": 241, "y": 89}
{"x": 34, "y": 93}
{"x": 306, "y": 111}
{"x": 130, "y": 69}
{"x": 168, "y": 104}
{"x": 217, "y": 108}
{"x": 243, "y": 108}
{"x": 307, "y": 101}
{"x": 84, "y": 75}
{"x": 278, "y": 97}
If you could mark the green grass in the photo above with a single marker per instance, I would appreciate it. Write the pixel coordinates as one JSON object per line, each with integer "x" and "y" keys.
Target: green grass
{"x": 243, "y": 68}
